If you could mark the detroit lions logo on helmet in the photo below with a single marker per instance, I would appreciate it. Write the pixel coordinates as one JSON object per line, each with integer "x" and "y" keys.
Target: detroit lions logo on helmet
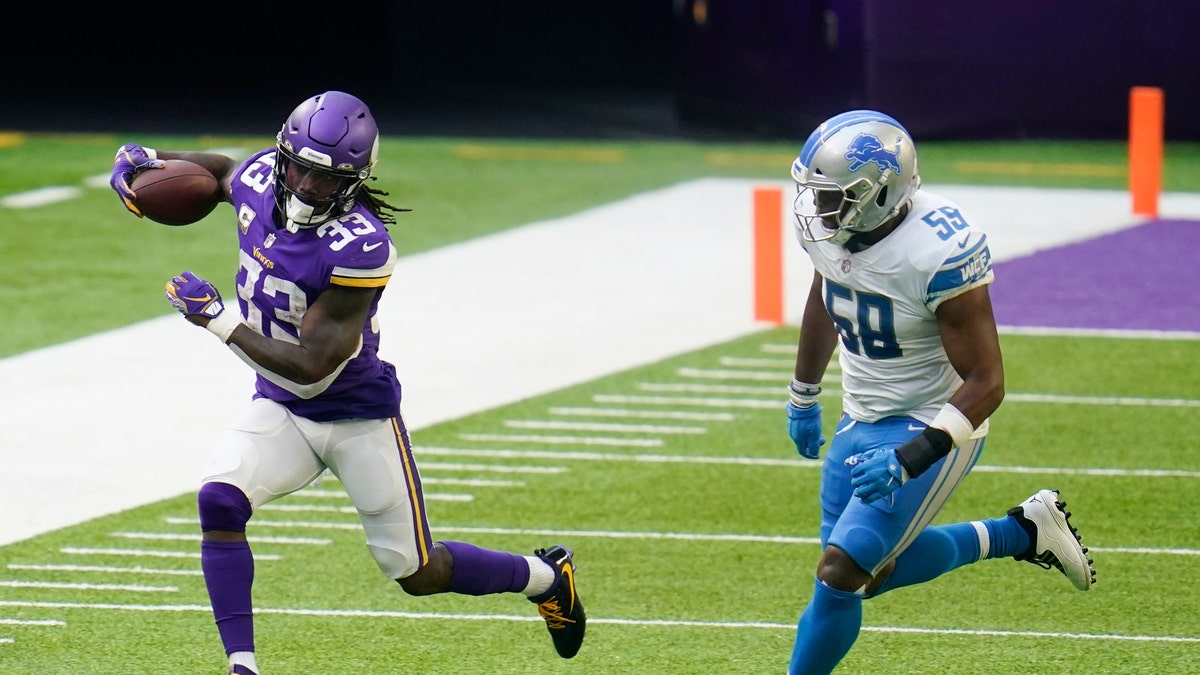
{"x": 866, "y": 148}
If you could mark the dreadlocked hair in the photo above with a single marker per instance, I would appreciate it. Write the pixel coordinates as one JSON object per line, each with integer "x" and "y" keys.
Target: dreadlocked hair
{"x": 371, "y": 198}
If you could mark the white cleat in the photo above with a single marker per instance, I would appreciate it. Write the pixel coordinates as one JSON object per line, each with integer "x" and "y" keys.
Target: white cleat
{"x": 1055, "y": 542}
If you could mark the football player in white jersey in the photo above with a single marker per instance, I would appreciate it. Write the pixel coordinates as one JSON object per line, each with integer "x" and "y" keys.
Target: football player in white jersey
{"x": 901, "y": 283}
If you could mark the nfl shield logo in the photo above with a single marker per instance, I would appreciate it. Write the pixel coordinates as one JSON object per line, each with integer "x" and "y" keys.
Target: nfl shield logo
{"x": 845, "y": 265}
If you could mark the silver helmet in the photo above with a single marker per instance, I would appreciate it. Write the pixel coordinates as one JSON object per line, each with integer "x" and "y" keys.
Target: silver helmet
{"x": 855, "y": 171}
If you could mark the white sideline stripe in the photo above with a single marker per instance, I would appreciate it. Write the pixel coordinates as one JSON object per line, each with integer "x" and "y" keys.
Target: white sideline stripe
{"x": 105, "y": 569}
{"x": 40, "y": 197}
{"x": 447, "y": 466}
{"x": 604, "y": 426}
{"x": 1060, "y": 399}
{"x": 776, "y": 348}
{"x": 469, "y": 482}
{"x": 153, "y": 554}
{"x": 711, "y": 388}
{"x": 572, "y": 440}
{"x": 645, "y": 414}
{"x": 1151, "y": 551}
{"x": 743, "y": 362}
{"x": 89, "y": 587}
{"x": 163, "y": 536}
{"x": 1104, "y": 400}
{"x": 322, "y": 508}
{"x": 790, "y": 349}
{"x": 1054, "y": 471}
{"x": 790, "y": 627}
{"x": 613, "y": 457}
{"x": 778, "y": 390}
{"x": 613, "y": 534}
{"x": 721, "y": 374}
{"x": 1098, "y": 332}
{"x": 527, "y": 619}
{"x": 99, "y": 180}
{"x": 797, "y": 463}
{"x": 684, "y": 400}
{"x": 31, "y": 622}
{"x": 318, "y": 525}
{"x": 472, "y": 482}
{"x": 1031, "y": 633}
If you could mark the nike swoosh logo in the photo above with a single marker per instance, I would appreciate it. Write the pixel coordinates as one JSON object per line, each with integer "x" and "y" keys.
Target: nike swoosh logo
{"x": 206, "y": 298}
{"x": 367, "y": 248}
{"x": 570, "y": 575}
{"x": 914, "y": 427}
{"x": 963, "y": 243}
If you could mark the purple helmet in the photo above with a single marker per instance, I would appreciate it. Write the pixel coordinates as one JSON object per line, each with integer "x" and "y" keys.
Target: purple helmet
{"x": 326, "y": 149}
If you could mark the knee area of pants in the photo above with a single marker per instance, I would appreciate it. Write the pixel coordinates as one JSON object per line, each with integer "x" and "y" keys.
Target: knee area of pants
{"x": 864, "y": 546}
{"x": 223, "y": 507}
{"x": 391, "y": 562}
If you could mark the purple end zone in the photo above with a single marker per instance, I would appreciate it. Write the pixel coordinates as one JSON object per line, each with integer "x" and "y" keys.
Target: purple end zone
{"x": 1143, "y": 278}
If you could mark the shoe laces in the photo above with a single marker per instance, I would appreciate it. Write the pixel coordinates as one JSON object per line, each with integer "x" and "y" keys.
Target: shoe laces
{"x": 552, "y": 612}
{"x": 1047, "y": 560}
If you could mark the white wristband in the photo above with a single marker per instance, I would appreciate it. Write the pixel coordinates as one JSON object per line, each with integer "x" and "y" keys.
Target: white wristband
{"x": 952, "y": 421}
{"x": 150, "y": 152}
{"x": 222, "y": 325}
{"x": 803, "y": 394}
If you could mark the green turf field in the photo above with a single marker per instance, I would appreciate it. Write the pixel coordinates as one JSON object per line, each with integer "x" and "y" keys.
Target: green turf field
{"x": 693, "y": 523}
{"x": 692, "y": 518}
{"x": 85, "y": 265}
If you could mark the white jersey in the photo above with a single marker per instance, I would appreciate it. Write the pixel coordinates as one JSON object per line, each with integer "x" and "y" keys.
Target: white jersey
{"x": 883, "y": 300}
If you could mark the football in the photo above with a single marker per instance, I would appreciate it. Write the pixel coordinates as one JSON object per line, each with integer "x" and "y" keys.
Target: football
{"x": 180, "y": 193}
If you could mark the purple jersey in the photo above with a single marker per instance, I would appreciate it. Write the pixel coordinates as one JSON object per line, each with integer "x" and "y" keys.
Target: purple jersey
{"x": 281, "y": 274}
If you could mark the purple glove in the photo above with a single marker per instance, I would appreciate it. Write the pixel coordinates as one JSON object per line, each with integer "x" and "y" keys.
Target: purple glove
{"x": 130, "y": 160}
{"x": 804, "y": 426}
{"x": 193, "y": 296}
{"x": 875, "y": 473}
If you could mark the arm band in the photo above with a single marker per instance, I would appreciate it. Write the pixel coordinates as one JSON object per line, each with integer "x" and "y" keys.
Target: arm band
{"x": 803, "y": 394}
{"x": 920, "y": 453}
{"x": 222, "y": 325}
{"x": 952, "y": 421}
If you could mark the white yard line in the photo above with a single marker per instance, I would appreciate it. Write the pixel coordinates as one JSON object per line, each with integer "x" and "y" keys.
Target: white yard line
{"x": 125, "y": 418}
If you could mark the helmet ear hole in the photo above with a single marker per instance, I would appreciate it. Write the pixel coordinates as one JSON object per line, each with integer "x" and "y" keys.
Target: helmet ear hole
{"x": 881, "y": 198}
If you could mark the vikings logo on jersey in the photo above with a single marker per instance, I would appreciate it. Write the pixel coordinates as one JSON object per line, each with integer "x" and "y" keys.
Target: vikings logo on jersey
{"x": 866, "y": 148}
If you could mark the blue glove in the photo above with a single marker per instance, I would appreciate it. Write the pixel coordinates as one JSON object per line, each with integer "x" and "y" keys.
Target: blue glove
{"x": 875, "y": 474}
{"x": 131, "y": 159}
{"x": 193, "y": 296}
{"x": 804, "y": 425}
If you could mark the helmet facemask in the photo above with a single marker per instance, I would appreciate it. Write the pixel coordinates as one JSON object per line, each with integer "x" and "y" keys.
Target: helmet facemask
{"x": 324, "y": 154}
{"x": 856, "y": 172}
{"x": 308, "y": 192}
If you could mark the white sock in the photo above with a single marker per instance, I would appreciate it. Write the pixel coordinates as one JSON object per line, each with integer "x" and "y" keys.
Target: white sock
{"x": 985, "y": 541}
{"x": 243, "y": 659}
{"x": 541, "y": 576}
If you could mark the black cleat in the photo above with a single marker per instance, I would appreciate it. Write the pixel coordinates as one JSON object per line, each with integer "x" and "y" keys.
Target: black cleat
{"x": 560, "y": 606}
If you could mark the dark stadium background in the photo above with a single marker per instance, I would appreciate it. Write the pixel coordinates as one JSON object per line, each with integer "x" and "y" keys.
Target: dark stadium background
{"x": 730, "y": 69}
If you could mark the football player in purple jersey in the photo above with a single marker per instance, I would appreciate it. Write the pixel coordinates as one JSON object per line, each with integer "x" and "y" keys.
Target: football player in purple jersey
{"x": 901, "y": 285}
{"x": 314, "y": 258}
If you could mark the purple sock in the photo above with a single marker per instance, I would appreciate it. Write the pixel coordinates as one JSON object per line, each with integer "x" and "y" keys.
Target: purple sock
{"x": 479, "y": 571}
{"x": 229, "y": 573}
